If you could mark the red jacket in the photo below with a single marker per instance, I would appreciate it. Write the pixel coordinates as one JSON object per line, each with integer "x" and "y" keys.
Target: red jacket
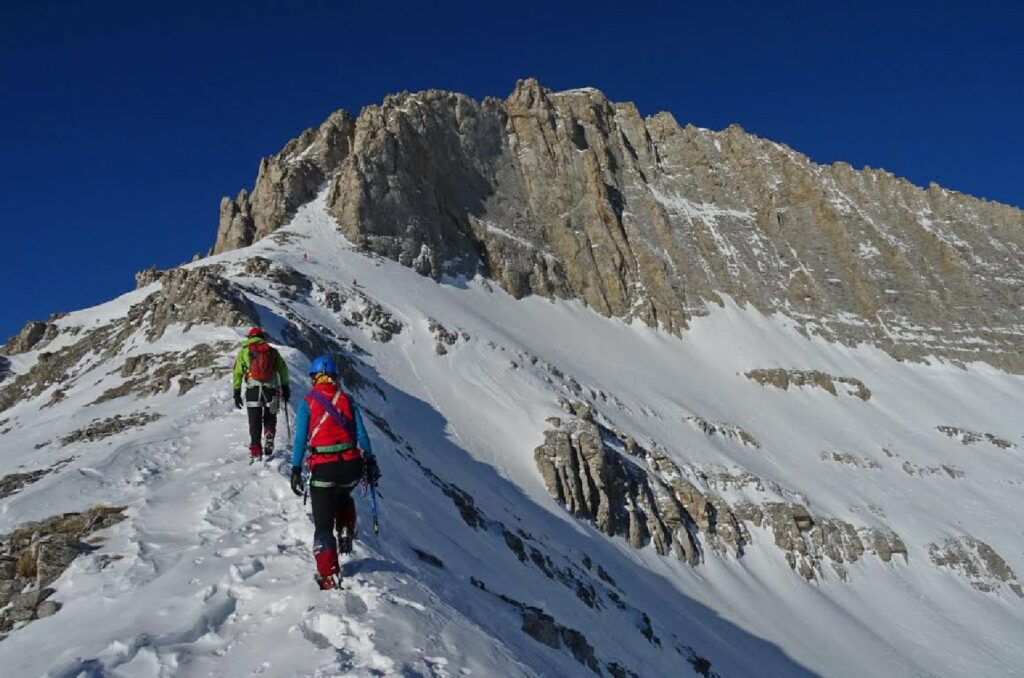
{"x": 324, "y": 431}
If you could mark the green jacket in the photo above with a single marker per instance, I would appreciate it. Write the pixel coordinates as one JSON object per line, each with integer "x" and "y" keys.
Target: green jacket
{"x": 238, "y": 375}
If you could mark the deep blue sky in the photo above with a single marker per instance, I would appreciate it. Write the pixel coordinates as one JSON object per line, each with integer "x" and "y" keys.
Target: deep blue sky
{"x": 124, "y": 123}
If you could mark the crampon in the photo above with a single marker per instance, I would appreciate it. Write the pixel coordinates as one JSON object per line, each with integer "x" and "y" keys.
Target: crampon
{"x": 328, "y": 583}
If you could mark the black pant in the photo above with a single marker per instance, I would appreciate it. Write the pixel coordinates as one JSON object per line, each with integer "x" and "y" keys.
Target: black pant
{"x": 262, "y": 416}
{"x": 333, "y": 506}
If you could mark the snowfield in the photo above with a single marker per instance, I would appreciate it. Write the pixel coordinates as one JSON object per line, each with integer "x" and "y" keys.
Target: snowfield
{"x": 211, "y": 573}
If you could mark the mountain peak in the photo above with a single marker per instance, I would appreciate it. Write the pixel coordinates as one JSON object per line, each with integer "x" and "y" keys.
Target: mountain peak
{"x": 564, "y": 194}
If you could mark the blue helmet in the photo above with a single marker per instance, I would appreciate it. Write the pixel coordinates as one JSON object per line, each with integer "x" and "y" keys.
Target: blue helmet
{"x": 323, "y": 365}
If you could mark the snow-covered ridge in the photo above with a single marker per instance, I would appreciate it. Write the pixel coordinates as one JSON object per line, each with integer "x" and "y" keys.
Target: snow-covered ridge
{"x": 478, "y": 569}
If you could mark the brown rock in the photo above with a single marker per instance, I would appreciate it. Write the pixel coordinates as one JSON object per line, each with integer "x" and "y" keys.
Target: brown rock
{"x": 33, "y": 336}
{"x": 566, "y": 194}
{"x": 977, "y": 562}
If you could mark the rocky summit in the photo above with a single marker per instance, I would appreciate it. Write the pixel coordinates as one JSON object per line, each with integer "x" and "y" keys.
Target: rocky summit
{"x": 570, "y": 195}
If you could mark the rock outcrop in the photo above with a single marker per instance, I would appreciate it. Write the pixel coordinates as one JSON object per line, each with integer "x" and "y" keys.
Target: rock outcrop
{"x": 977, "y": 562}
{"x": 643, "y": 495}
{"x": 98, "y": 429}
{"x": 783, "y": 379}
{"x": 810, "y": 542}
{"x": 950, "y": 471}
{"x": 567, "y": 194}
{"x": 444, "y": 338}
{"x": 723, "y": 430}
{"x": 148, "y": 276}
{"x": 33, "y": 336}
{"x": 36, "y": 554}
{"x": 147, "y": 374}
{"x": 13, "y": 483}
{"x": 967, "y": 437}
{"x": 285, "y": 182}
{"x": 853, "y": 460}
{"x": 187, "y": 297}
{"x": 614, "y": 493}
{"x": 193, "y": 296}
{"x": 357, "y": 309}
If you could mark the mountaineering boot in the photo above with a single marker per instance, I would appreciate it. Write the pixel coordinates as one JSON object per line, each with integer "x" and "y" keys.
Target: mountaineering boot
{"x": 327, "y": 567}
{"x": 346, "y": 521}
{"x": 255, "y": 452}
{"x": 327, "y": 583}
{"x": 345, "y": 537}
{"x": 268, "y": 442}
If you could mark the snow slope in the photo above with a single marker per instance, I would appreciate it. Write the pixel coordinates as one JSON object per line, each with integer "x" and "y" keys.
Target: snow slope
{"x": 212, "y": 572}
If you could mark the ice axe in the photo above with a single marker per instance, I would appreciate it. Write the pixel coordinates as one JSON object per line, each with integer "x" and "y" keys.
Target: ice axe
{"x": 287, "y": 421}
{"x": 373, "y": 507}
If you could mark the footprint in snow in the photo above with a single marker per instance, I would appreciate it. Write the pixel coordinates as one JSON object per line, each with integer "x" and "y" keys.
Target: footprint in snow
{"x": 91, "y": 473}
{"x": 246, "y": 570}
{"x": 355, "y": 605}
{"x": 352, "y": 641}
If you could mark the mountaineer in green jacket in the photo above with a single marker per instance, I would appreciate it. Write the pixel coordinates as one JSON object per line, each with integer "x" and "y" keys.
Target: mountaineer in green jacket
{"x": 265, "y": 374}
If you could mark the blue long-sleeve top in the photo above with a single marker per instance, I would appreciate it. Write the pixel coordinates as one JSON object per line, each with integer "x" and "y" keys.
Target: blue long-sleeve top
{"x": 302, "y": 432}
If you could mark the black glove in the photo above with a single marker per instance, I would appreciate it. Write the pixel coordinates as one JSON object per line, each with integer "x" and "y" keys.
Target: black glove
{"x": 297, "y": 481}
{"x": 286, "y": 393}
{"x": 238, "y": 398}
{"x": 371, "y": 472}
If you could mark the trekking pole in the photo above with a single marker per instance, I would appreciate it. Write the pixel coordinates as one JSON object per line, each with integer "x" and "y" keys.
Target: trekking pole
{"x": 373, "y": 507}
{"x": 287, "y": 421}
{"x": 305, "y": 489}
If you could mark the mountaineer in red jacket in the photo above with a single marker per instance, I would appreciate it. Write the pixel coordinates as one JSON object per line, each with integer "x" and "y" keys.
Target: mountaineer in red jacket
{"x": 329, "y": 426}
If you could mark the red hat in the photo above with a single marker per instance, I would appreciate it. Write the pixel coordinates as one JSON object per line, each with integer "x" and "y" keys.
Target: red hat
{"x": 255, "y": 332}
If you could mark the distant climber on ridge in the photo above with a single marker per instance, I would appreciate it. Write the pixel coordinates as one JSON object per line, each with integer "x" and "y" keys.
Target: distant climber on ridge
{"x": 265, "y": 374}
{"x": 330, "y": 426}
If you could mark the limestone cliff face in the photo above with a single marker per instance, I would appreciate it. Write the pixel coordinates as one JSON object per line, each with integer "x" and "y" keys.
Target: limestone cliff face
{"x": 625, "y": 490}
{"x": 567, "y": 194}
{"x": 285, "y": 182}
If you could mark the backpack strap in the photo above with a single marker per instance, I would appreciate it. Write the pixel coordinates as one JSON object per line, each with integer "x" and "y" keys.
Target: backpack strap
{"x": 331, "y": 410}
{"x": 326, "y": 414}
{"x": 259, "y": 402}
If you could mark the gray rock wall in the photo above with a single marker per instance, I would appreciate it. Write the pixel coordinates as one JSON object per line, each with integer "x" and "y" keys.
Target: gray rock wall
{"x": 284, "y": 182}
{"x": 33, "y": 556}
{"x": 567, "y": 194}
{"x": 626, "y": 490}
